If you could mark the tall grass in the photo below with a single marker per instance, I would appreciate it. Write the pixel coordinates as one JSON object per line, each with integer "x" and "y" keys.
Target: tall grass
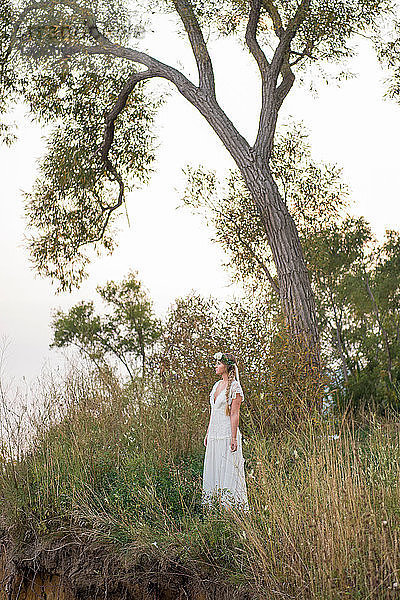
{"x": 121, "y": 467}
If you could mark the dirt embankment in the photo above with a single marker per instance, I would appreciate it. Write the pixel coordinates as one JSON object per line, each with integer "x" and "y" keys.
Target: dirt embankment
{"x": 31, "y": 586}
{"x": 72, "y": 572}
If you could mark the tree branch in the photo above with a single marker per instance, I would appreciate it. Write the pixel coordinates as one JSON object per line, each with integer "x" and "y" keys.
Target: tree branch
{"x": 207, "y": 106}
{"x": 251, "y": 38}
{"x": 108, "y": 139}
{"x": 287, "y": 81}
{"x": 275, "y": 16}
{"x": 272, "y": 96}
{"x": 250, "y": 249}
{"x": 205, "y": 103}
{"x": 159, "y": 68}
{"x": 306, "y": 52}
{"x": 199, "y": 47}
{"x": 118, "y": 108}
{"x": 268, "y": 99}
{"x": 287, "y": 37}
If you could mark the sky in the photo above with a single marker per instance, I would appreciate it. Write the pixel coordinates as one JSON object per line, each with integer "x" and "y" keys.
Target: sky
{"x": 350, "y": 124}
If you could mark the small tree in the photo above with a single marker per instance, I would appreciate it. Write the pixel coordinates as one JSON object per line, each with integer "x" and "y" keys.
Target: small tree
{"x": 184, "y": 355}
{"x": 126, "y": 332}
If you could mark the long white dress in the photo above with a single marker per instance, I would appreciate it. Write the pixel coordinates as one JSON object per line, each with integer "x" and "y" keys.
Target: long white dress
{"x": 223, "y": 471}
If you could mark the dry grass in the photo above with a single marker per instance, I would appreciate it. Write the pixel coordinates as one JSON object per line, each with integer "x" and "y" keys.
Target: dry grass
{"x": 120, "y": 468}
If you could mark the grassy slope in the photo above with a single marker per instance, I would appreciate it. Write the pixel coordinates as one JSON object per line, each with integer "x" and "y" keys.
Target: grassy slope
{"x": 121, "y": 472}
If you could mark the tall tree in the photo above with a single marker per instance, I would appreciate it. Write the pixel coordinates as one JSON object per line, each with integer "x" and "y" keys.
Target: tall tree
{"x": 314, "y": 194}
{"x": 354, "y": 278}
{"x": 282, "y": 37}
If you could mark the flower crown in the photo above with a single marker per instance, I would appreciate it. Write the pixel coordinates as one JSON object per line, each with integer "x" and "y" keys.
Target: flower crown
{"x": 222, "y": 358}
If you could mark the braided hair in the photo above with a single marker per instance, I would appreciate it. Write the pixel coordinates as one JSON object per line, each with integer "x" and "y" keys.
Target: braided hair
{"x": 230, "y": 361}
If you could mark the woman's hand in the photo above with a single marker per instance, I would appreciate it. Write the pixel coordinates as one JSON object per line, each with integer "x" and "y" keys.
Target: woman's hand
{"x": 233, "y": 444}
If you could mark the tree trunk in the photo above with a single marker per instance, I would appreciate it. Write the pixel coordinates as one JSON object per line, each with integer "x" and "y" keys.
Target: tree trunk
{"x": 339, "y": 337}
{"x": 296, "y": 295}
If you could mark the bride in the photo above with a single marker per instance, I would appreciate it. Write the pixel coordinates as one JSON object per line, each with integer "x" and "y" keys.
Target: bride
{"x": 223, "y": 471}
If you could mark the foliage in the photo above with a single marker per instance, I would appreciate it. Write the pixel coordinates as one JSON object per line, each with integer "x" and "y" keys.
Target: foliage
{"x": 355, "y": 279}
{"x": 189, "y": 340}
{"x": 314, "y": 193}
{"x": 272, "y": 370}
{"x": 80, "y": 68}
{"x": 127, "y": 331}
{"x": 75, "y": 197}
{"x": 104, "y": 474}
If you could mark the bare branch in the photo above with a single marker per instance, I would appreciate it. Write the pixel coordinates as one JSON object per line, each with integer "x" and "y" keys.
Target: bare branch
{"x": 275, "y": 16}
{"x": 250, "y": 249}
{"x": 251, "y": 38}
{"x": 199, "y": 47}
{"x": 287, "y": 37}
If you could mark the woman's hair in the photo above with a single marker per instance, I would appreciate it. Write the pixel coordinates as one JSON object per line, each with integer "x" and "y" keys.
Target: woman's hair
{"x": 231, "y": 377}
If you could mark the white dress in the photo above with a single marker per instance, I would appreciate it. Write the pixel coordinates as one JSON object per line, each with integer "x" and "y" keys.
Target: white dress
{"x": 223, "y": 471}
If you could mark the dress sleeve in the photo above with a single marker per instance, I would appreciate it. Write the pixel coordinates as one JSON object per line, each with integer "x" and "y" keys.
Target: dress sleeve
{"x": 236, "y": 388}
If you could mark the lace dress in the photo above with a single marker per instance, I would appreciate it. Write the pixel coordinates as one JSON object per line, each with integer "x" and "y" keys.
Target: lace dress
{"x": 223, "y": 471}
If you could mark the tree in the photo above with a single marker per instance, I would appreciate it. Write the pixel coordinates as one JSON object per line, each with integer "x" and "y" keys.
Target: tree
{"x": 335, "y": 251}
{"x": 377, "y": 308}
{"x": 313, "y": 193}
{"x": 127, "y": 331}
{"x": 298, "y": 33}
{"x": 188, "y": 343}
{"x": 355, "y": 279}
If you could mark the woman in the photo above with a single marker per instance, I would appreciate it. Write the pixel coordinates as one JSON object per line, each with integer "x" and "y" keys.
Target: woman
{"x": 223, "y": 472}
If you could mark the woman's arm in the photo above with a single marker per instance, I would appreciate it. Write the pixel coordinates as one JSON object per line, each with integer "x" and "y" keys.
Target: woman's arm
{"x": 206, "y": 436}
{"x": 235, "y": 410}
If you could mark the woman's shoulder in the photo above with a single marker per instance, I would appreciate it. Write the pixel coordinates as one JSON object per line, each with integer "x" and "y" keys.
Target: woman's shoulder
{"x": 236, "y": 388}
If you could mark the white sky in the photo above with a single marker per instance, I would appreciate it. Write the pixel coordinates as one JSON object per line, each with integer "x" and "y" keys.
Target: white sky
{"x": 350, "y": 125}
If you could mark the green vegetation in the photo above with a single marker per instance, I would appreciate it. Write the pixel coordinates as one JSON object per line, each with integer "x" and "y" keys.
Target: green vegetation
{"x": 355, "y": 278}
{"x": 119, "y": 466}
{"x": 126, "y": 332}
{"x": 113, "y": 465}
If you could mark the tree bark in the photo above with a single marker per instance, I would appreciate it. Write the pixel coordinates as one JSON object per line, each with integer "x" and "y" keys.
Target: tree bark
{"x": 295, "y": 292}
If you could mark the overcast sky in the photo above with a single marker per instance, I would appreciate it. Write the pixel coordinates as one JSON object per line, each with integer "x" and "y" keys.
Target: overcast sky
{"x": 350, "y": 125}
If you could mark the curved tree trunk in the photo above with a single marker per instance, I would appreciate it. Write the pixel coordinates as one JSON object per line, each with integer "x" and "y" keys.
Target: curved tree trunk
{"x": 296, "y": 294}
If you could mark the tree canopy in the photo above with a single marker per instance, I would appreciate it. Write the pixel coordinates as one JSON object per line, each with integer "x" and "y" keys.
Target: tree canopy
{"x": 82, "y": 66}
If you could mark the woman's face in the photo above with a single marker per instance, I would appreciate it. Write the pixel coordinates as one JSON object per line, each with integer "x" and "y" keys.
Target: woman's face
{"x": 220, "y": 367}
